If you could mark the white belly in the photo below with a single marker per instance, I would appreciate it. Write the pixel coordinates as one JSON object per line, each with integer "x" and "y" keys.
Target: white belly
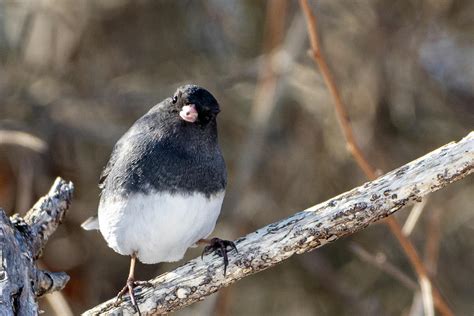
{"x": 158, "y": 227}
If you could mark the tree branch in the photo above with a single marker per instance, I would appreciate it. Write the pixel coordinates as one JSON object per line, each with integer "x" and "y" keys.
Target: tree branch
{"x": 21, "y": 242}
{"x": 304, "y": 231}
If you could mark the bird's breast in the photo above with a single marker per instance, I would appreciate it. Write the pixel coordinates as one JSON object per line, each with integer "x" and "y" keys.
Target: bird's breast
{"x": 157, "y": 226}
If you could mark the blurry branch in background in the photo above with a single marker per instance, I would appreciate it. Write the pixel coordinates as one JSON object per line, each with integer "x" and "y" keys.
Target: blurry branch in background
{"x": 335, "y": 284}
{"x": 434, "y": 238}
{"x": 314, "y": 227}
{"x": 342, "y": 115}
{"x": 23, "y": 139}
{"x": 427, "y": 296}
{"x": 413, "y": 217}
{"x": 279, "y": 54}
{"x": 22, "y": 241}
{"x": 433, "y": 235}
{"x": 380, "y": 261}
{"x": 23, "y": 165}
{"x": 279, "y": 50}
{"x": 355, "y": 150}
{"x": 48, "y": 32}
{"x": 59, "y": 304}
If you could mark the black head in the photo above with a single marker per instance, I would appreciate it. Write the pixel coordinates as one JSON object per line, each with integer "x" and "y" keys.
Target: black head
{"x": 195, "y": 105}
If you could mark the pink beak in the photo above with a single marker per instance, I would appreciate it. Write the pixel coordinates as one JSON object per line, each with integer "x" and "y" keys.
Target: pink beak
{"x": 189, "y": 113}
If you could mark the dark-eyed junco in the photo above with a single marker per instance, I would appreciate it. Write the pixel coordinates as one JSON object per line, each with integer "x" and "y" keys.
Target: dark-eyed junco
{"x": 163, "y": 187}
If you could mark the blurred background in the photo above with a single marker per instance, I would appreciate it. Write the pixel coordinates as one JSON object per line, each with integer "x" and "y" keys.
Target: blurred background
{"x": 76, "y": 74}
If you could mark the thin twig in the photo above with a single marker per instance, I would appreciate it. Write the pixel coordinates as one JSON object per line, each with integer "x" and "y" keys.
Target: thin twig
{"x": 433, "y": 239}
{"x": 421, "y": 305}
{"x": 380, "y": 261}
{"x": 427, "y": 296}
{"x": 58, "y": 304}
{"x": 358, "y": 155}
{"x": 413, "y": 217}
{"x": 19, "y": 138}
{"x": 332, "y": 282}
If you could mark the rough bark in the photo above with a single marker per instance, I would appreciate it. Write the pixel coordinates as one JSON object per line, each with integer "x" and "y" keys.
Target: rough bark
{"x": 21, "y": 242}
{"x": 304, "y": 231}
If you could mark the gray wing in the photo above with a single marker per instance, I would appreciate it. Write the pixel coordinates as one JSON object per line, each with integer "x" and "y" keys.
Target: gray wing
{"x": 92, "y": 223}
{"x": 110, "y": 164}
{"x": 137, "y": 130}
{"x": 123, "y": 144}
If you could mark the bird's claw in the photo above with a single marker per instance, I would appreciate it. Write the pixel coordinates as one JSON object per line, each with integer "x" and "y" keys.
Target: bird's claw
{"x": 220, "y": 247}
{"x": 131, "y": 284}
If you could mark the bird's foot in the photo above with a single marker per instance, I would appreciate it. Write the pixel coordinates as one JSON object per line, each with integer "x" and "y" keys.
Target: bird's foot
{"x": 131, "y": 284}
{"x": 220, "y": 247}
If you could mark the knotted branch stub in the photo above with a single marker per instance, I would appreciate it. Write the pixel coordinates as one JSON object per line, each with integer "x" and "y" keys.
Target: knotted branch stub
{"x": 22, "y": 241}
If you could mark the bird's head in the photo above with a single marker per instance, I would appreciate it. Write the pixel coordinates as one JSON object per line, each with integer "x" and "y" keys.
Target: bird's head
{"x": 195, "y": 105}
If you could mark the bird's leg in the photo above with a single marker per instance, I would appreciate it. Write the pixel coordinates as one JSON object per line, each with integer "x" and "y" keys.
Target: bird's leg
{"x": 219, "y": 246}
{"x": 130, "y": 285}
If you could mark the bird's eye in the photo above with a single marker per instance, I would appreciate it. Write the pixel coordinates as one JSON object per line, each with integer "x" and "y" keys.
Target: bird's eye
{"x": 175, "y": 99}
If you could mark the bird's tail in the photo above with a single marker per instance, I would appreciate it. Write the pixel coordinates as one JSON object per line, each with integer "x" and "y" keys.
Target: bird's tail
{"x": 91, "y": 223}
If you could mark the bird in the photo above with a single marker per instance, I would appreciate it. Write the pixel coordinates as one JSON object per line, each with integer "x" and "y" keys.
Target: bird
{"x": 162, "y": 189}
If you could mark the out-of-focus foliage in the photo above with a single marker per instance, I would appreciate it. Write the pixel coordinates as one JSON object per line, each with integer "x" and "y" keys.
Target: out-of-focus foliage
{"x": 76, "y": 74}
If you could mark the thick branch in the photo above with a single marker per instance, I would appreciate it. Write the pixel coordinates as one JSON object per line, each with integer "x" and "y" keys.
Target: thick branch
{"x": 21, "y": 241}
{"x": 304, "y": 231}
